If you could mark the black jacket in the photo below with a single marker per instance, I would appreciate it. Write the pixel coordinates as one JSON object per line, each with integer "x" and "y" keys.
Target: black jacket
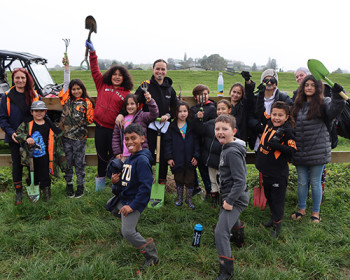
{"x": 181, "y": 150}
{"x": 209, "y": 110}
{"x": 240, "y": 112}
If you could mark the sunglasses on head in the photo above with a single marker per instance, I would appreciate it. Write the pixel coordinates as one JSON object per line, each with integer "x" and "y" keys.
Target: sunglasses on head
{"x": 19, "y": 69}
{"x": 271, "y": 80}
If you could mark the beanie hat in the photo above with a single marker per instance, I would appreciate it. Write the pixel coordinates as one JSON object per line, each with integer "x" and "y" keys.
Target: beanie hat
{"x": 303, "y": 69}
{"x": 270, "y": 73}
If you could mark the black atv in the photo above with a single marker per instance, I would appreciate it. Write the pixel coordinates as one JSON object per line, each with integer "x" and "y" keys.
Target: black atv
{"x": 36, "y": 66}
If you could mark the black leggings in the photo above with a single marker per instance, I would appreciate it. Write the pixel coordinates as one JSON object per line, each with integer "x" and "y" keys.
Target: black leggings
{"x": 17, "y": 167}
{"x": 103, "y": 144}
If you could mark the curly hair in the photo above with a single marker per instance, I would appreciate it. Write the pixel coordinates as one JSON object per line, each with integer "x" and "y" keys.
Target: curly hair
{"x": 127, "y": 83}
{"x": 316, "y": 102}
{"x": 29, "y": 87}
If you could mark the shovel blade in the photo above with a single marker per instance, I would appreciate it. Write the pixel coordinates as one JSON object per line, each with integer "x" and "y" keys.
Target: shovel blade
{"x": 90, "y": 23}
{"x": 33, "y": 193}
{"x": 317, "y": 69}
{"x": 157, "y": 196}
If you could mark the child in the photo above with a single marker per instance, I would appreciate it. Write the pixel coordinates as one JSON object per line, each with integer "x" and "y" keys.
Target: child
{"x": 134, "y": 190}
{"x": 276, "y": 148}
{"x": 182, "y": 152}
{"x": 211, "y": 148}
{"x": 233, "y": 188}
{"x": 40, "y": 131}
{"x": 204, "y": 104}
{"x": 134, "y": 116}
{"x": 77, "y": 114}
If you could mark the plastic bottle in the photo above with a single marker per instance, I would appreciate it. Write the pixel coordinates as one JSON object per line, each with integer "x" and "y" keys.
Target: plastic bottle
{"x": 198, "y": 228}
{"x": 220, "y": 85}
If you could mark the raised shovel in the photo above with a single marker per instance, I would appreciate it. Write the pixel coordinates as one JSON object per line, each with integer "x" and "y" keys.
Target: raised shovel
{"x": 319, "y": 71}
{"x": 90, "y": 23}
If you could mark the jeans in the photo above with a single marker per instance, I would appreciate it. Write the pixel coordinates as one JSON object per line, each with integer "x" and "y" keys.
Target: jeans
{"x": 313, "y": 175}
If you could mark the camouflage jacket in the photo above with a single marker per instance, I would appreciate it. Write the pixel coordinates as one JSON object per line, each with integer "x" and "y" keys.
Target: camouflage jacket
{"x": 57, "y": 158}
{"x": 76, "y": 116}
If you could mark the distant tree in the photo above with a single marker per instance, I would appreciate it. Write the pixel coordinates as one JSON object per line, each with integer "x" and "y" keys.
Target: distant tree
{"x": 273, "y": 64}
{"x": 214, "y": 62}
{"x": 185, "y": 57}
{"x": 254, "y": 67}
{"x": 237, "y": 66}
{"x": 339, "y": 71}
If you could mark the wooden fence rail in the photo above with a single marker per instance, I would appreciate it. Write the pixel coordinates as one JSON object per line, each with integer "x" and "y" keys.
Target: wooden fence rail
{"x": 91, "y": 159}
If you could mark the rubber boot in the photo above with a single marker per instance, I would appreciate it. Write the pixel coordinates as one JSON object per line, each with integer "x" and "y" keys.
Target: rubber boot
{"x": 80, "y": 191}
{"x": 19, "y": 193}
{"x": 276, "y": 230}
{"x": 149, "y": 251}
{"x": 267, "y": 224}
{"x": 47, "y": 193}
{"x": 214, "y": 199}
{"x": 189, "y": 192}
{"x": 237, "y": 235}
{"x": 69, "y": 190}
{"x": 100, "y": 183}
{"x": 226, "y": 268}
{"x": 180, "y": 194}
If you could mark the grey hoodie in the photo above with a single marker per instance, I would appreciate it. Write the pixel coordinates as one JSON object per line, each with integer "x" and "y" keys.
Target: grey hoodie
{"x": 233, "y": 173}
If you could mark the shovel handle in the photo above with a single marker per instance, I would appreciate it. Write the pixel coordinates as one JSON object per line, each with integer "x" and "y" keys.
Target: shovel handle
{"x": 342, "y": 94}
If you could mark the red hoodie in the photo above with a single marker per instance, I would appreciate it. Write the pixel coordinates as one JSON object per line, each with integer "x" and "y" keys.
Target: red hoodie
{"x": 109, "y": 99}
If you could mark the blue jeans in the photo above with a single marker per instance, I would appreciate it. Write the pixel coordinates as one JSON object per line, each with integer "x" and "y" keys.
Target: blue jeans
{"x": 313, "y": 175}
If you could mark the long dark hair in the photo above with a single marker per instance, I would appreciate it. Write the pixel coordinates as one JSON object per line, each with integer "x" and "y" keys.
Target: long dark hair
{"x": 182, "y": 103}
{"x": 29, "y": 92}
{"x": 83, "y": 88}
{"x": 127, "y": 83}
{"x": 240, "y": 86}
{"x": 316, "y": 102}
{"x": 284, "y": 106}
{"x": 132, "y": 96}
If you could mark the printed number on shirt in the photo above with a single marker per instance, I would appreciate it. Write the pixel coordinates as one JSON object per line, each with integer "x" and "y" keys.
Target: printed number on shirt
{"x": 126, "y": 173}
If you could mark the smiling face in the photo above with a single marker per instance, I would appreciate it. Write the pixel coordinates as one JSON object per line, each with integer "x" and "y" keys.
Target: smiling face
{"x": 20, "y": 81}
{"x": 76, "y": 91}
{"x": 38, "y": 115}
{"x": 299, "y": 76}
{"x": 278, "y": 117}
{"x": 203, "y": 97}
{"x": 117, "y": 78}
{"x": 224, "y": 132}
{"x": 159, "y": 72}
{"x": 309, "y": 89}
{"x": 133, "y": 142}
{"x": 182, "y": 113}
{"x": 131, "y": 106}
{"x": 222, "y": 109}
{"x": 236, "y": 94}
{"x": 269, "y": 85}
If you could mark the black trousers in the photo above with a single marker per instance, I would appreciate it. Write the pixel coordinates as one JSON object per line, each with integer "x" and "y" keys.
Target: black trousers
{"x": 152, "y": 144}
{"x": 41, "y": 171}
{"x": 275, "y": 192}
{"x": 103, "y": 144}
{"x": 17, "y": 167}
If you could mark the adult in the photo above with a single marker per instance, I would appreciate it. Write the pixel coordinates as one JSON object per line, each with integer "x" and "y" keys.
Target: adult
{"x": 15, "y": 109}
{"x": 313, "y": 113}
{"x": 161, "y": 90}
{"x": 112, "y": 87}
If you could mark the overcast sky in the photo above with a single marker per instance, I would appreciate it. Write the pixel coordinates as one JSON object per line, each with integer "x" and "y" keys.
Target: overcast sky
{"x": 141, "y": 31}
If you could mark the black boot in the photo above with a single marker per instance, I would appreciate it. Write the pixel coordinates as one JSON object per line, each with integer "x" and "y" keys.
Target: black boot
{"x": 189, "y": 193}
{"x": 47, "y": 193}
{"x": 149, "y": 251}
{"x": 69, "y": 190}
{"x": 276, "y": 230}
{"x": 180, "y": 194}
{"x": 267, "y": 224}
{"x": 214, "y": 199}
{"x": 226, "y": 268}
{"x": 237, "y": 235}
{"x": 19, "y": 193}
{"x": 80, "y": 191}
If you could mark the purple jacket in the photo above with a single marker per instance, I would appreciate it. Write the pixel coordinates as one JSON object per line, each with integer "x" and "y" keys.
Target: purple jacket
{"x": 142, "y": 118}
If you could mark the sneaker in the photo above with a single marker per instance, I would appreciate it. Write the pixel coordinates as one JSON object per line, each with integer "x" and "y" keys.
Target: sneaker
{"x": 70, "y": 191}
{"x": 80, "y": 191}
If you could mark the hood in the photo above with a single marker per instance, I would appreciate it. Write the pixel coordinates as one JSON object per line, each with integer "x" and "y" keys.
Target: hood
{"x": 144, "y": 152}
{"x": 239, "y": 144}
{"x": 166, "y": 83}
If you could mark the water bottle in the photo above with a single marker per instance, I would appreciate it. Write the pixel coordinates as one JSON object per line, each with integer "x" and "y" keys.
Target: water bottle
{"x": 197, "y": 235}
{"x": 220, "y": 85}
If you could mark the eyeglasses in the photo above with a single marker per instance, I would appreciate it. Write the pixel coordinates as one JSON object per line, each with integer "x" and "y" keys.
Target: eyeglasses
{"x": 271, "y": 80}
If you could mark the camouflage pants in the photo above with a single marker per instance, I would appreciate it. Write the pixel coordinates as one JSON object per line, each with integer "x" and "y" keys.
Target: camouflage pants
{"x": 75, "y": 155}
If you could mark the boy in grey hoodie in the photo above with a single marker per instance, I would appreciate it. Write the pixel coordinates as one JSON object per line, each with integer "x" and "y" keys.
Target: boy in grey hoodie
{"x": 233, "y": 189}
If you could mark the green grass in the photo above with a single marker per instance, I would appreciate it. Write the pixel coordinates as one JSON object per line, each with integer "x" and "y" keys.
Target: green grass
{"x": 77, "y": 239}
{"x": 189, "y": 79}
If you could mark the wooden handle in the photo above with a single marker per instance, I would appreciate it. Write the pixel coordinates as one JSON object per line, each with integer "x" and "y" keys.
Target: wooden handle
{"x": 343, "y": 95}
{"x": 158, "y": 149}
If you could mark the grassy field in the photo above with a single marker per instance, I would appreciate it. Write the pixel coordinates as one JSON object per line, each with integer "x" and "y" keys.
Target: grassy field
{"x": 189, "y": 79}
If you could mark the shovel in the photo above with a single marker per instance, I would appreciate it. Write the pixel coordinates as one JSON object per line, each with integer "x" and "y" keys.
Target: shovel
{"x": 33, "y": 190}
{"x": 319, "y": 71}
{"x": 157, "y": 192}
{"x": 90, "y": 23}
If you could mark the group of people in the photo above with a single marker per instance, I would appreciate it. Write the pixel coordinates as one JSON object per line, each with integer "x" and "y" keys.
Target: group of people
{"x": 210, "y": 135}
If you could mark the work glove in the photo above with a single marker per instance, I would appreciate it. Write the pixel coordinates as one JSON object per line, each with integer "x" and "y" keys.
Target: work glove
{"x": 246, "y": 75}
{"x": 89, "y": 45}
{"x": 336, "y": 89}
{"x": 278, "y": 135}
{"x": 261, "y": 88}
